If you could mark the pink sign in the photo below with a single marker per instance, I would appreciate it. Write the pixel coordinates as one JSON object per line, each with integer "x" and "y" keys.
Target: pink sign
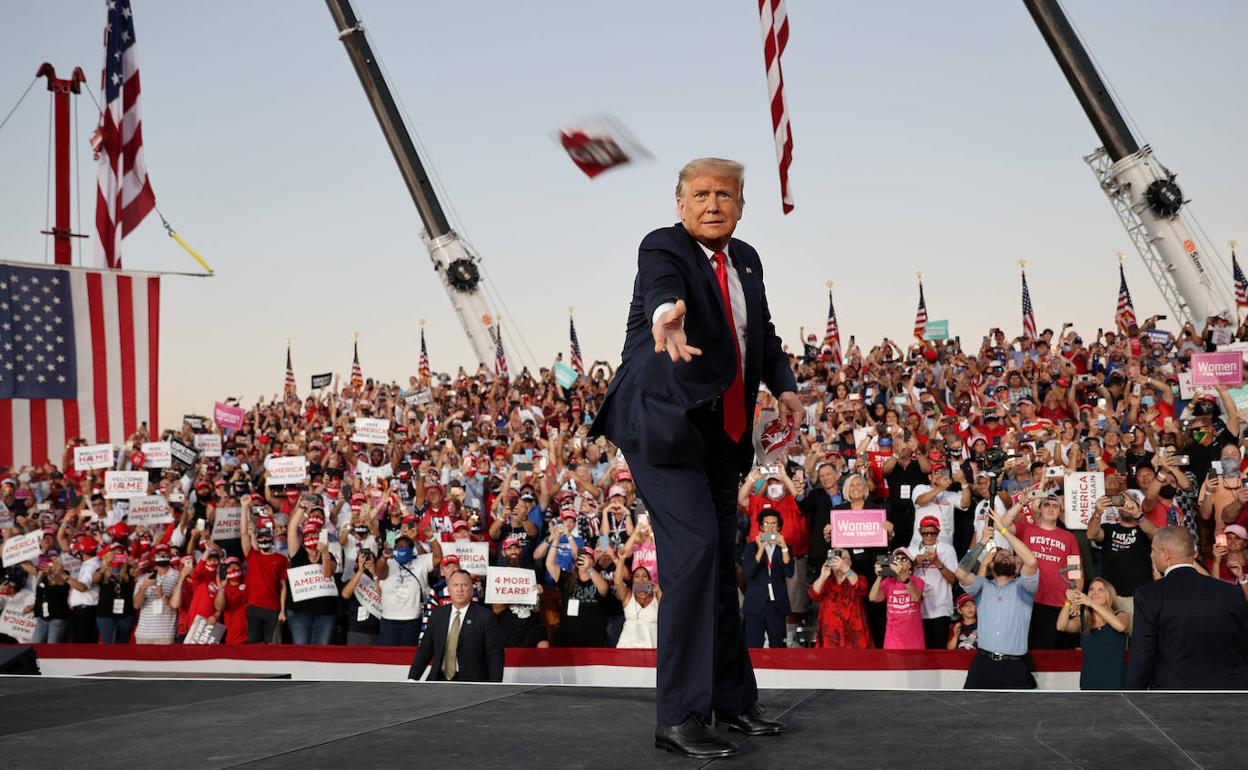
{"x": 1224, "y": 367}
{"x": 858, "y": 529}
{"x": 228, "y": 417}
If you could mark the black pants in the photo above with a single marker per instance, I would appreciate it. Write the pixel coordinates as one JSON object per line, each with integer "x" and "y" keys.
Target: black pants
{"x": 1043, "y": 633}
{"x": 770, "y": 622}
{"x": 82, "y": 628}
{"x": 261, "y": 625}
{"x": 703, "y": 664}
{"x": 935, "y": 633}
{"x": 988, "y": 674}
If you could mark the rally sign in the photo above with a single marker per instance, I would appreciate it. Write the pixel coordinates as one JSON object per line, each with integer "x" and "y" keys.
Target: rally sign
{"x": 22, "y": 548}
{"x": 227, "y": 523}
{"x": 565, "y": 375}
{"x": 17, "y": 624}
{"x": 182, "y": 455}
{"x": 859, "y": 529}
{"x": 123, "y": 485}
{"x": 203, "y": 632}
{"x": 371, "y": 430}
{"x": 91, "y": 458}
{"x": 286, "y": 470}
{"x": 209, "y": 444}
{"x": 474, "y": 557}
{"x": 157, "y": 454}
{"x": 148, "y": 511}
{"x": 194, "y": 421}
{"x": 771, "y": 435}
{"x": 229, "y": 417}
{"x": 310, "y": 582}
{"x": 1082, "y": 491}
{"x": 417, "y": 396}
{"x": 934, "y": 331}
{"x": 368, "y": 596}
{"x": 321, "y": 381}
{"x": 1225, "y": 367}
{"x": 510, "y": 585}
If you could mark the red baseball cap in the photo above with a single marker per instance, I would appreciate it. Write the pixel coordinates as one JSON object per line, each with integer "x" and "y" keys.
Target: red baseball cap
{"x": 461, "y": 524}
{"x": 929, "y": 521}
{"x": 450, "y": 558}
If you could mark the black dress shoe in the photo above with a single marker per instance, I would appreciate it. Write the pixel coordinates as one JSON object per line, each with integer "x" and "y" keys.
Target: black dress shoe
{"x": 692, "y": 739}
{"x": 752, "y": 721}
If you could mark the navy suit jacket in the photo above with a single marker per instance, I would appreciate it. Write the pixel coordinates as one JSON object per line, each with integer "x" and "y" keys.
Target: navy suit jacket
{"x": 757, "y": 578}
{"x": 479, "y": 651}
{"x": 647, "y": 404}
{"x": 1190, "y": 633}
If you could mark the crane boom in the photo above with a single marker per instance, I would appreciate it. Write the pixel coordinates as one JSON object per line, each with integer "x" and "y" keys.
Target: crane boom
{"x": 455, "y": 266}
{"x": 1142, "y": 191}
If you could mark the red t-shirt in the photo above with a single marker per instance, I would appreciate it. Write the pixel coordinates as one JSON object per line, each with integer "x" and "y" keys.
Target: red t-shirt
{"x": 794, "y": 527}
{"x": 203, "y": 584}
{"x": 265, "y": 574}
{"x": 876, "y": 460}
{"x": 235, "y": 614}
{"x": 1051, "y": 547}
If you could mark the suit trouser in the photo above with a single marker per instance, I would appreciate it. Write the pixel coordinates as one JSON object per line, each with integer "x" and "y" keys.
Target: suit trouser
{"x": 703, "y": 664}
{"x": 769, "y": 621}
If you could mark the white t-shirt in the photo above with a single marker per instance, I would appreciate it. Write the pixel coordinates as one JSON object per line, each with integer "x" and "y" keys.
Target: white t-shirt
{"x": 404, "y": 590}
{"x": 941, "y": 506}
{"x": 982, "y": 520}
{"x": 937, "y": 592}
{"x": 86, "y": 573}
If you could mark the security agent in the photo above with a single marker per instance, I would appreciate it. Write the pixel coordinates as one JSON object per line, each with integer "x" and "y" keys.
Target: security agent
{"x": 1004, "y": 605}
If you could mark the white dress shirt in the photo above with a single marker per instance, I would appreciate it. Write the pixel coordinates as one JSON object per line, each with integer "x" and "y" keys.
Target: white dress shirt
{"x": 735, "y": 293}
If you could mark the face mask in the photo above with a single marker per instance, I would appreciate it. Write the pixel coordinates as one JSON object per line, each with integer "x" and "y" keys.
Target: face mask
{"x": 162, "y": 562}
{"x": 310, "y": 543}
{"x": 403, "y": 555}
{"x": 1199, "y": 435}
{"x": 1167, "y": 491}
{"x": 775, "y": 491}
{"x": 265, "y": 545}
{"x": 1146, "y": 401}
{"x": 361, "y": 532}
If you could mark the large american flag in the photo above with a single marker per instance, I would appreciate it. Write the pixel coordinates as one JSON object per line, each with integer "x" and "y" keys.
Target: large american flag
{"x": 1126, "y": 310}
{"x": 357, "y": 376}
{"x": 500, "y": 358}
{"x": 832, "y": 336}
{"x": 578, "y": 365}
{"x": 1241, "y": 283}
{"x": 424, "y": 371}
{"x": 1029, "y": 316}
{"x": 78, "y": 358}
{"x": 920, "y": 316}
{"x": 775, "y": 23}
{"x": 290, "y": 373}
{"x": 124, "y": 193}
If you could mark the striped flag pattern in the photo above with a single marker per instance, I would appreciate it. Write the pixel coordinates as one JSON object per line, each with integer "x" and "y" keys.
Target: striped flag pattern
{"x": 424, "y": 371}
{"x": 290, "y": 373}
{"x": 1029, "y": 316}
{"x": 578, "y": 365}
{"x": 124, "y": 193}
{"x": 1241, "y": 283}
{"x": 500, "y": 358}
{"x": 78, "y": 359}
{"x": 920, "y": 316}
{"x": 1126, "y": 310}
{"x": 775, "y": 24}
{"x": 832, "y": 336}
{"x": 357, "y": 377}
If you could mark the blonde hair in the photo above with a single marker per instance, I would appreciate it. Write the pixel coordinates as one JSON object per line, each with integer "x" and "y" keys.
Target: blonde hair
{"x": 1110, "y": 592}
{"x": 721, "y": 167}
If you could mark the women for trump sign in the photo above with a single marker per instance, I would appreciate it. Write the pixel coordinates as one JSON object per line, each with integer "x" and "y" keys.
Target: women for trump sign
{"x": 859, "y": 529}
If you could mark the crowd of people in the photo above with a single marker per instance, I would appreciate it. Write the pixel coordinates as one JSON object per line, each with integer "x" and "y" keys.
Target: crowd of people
{"x": 965, "y": 448}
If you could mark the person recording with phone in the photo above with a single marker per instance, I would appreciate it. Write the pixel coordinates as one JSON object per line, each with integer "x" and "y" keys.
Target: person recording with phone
{"x": 1125, "y": 548}
{"x": 767, "y": 565}
{"x": 934, "y": 563}
{"x": 902, "y": 594}
{"x": 840, "y": 592}
{"x": 1004, "y": 606}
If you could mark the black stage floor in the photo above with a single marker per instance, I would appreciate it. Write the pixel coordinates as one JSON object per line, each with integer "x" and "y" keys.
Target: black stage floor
{"x": 142, "y": 723}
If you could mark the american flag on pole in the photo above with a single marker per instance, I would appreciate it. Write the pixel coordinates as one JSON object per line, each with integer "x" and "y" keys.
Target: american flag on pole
{"x": 1029, "y": 316}
{"x": 920, "y": 316}
{"x": 1241, "y": 283}
{"x": 124, "y": 193}
{"x": 578, "y": 365}
{"x": 1126, "y": 310}
{"x": 775, "y": 23}
{"x": 78, "y": 359}
{"x": 424, "y": 371}
{"x": 290, "y": 373}
{"x": 832, "y": 336}
{"x": 500, "y": 358}
{"x": 357, "y": 377}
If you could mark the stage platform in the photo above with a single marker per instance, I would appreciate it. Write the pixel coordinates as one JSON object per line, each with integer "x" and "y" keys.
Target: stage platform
{"x": 100, "y": 723}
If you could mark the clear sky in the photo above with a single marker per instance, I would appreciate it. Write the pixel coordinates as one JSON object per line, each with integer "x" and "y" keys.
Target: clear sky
{"x": 929, "y": 136}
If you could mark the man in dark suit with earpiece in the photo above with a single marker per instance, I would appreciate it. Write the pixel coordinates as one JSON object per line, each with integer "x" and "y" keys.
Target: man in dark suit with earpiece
{"x": 464, "y": 642}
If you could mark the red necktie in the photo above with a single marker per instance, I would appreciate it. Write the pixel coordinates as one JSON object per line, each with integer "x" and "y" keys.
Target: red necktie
{"x": 734, "y": 397}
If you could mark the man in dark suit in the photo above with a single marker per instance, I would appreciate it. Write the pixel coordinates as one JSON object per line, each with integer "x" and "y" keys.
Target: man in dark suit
{"x": 767, "y": 565}
{"x": 681, "y": 414}
{"x": 464, "y": 642}
{"x": 1190, "y": 630}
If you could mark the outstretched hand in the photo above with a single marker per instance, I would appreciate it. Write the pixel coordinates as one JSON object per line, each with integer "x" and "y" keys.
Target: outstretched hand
{"x": 669, "y": 334}
{"x": 791, "y": 409}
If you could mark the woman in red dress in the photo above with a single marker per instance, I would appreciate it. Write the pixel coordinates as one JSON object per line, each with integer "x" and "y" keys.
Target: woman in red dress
{"x": 840, "y": 592}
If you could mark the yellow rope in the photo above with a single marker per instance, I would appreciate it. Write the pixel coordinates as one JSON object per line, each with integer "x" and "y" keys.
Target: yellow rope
{"x": 174, "y": 235}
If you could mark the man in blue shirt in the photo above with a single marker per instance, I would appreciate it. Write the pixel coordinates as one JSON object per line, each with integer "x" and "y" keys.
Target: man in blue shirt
{"x": 1004, "y": 607}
